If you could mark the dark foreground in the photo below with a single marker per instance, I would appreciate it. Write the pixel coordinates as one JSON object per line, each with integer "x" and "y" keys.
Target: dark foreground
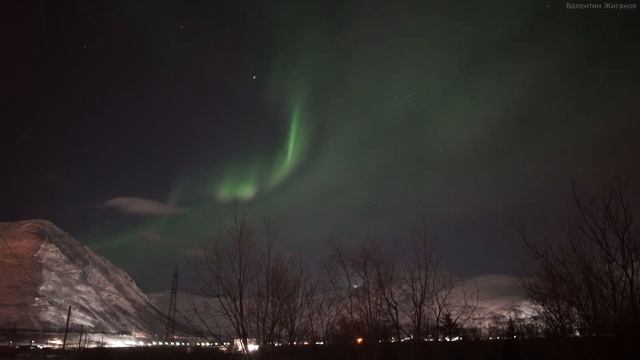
{"x": 600, "y": 348}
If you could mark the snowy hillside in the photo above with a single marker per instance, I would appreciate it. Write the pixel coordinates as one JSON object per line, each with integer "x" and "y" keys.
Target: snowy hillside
{"x": 43, "y": 270}
{"x": 499, "y": 296}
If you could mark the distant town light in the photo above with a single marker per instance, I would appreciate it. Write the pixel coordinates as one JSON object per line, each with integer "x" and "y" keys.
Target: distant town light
{"x": 252, "y": 345}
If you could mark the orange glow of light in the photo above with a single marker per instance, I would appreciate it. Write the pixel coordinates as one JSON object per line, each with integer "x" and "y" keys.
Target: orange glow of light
{"x": 359, "y": 340}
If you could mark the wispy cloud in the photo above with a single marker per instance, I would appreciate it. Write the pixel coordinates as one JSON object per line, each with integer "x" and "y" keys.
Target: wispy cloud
{"x": 141, "y": 206}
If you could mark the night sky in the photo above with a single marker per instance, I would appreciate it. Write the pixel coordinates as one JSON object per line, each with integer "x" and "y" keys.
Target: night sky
{"x": 133, "y": 125}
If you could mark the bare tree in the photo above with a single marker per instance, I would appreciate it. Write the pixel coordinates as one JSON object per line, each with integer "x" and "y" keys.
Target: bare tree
{"x": 324, "y": 311}
{"x": 590, "y": 282}
{"x": 365, "y": 262}
{"x": 441, "y": 286}
{"x": 387, "y": 279}
{"x": 226, "y": 274}
{"x": 453, "y": 303}
{"x": 297, "y": 317}
{"x": 251, "y": 287}
{"x": 342, "y": 283}
{"x": 352, "y": 273}
{"x": 550, "y": 288}
{"x": 257, "y": 292}
{"x": 272, "y": 290}
{"x": 417, "y": 280}
{"x": 427, "y": 291}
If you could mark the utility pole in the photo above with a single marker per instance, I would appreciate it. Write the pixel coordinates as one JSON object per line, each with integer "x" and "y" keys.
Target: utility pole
{"x": 171, "y": 315}
{"x": 66, "y": 329}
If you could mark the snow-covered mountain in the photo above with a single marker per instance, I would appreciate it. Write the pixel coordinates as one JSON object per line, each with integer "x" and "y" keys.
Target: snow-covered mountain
{"x": 43, "y": 270}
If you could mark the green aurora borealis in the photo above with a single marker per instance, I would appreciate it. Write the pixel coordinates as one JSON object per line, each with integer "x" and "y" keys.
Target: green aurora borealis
{"x": 246, "y": 180}
{"x": 341, "y": 119}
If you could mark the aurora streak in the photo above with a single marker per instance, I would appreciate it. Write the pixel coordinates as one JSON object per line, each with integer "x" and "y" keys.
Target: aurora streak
{"x": 245, "y": 180}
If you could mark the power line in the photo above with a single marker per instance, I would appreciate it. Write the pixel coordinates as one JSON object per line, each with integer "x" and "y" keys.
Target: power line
{"x": 34, "y": 284}
{"x": 6, "y": 243}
